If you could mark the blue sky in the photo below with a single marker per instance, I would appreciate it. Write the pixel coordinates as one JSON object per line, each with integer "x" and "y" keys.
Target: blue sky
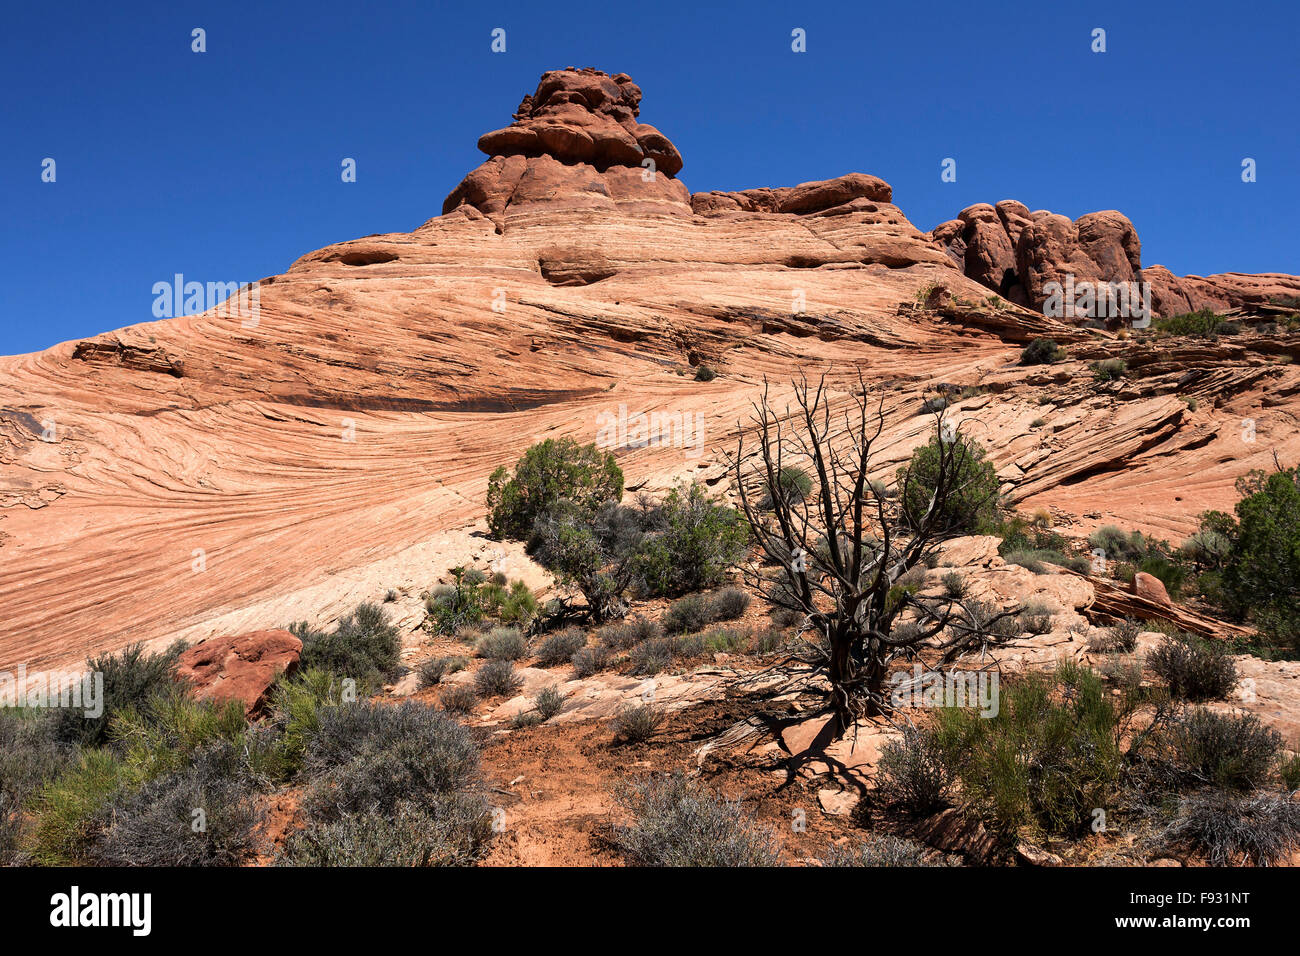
{"x": 225, "y": 165}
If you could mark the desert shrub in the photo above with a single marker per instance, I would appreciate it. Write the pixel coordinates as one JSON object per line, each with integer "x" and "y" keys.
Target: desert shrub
{"x": 1043, "y": 761}
{"x": 559, "y": 648}
{"x": 784, "y": 617}
{"x": 792, "y": 484}
{"x": 728, "y": 640}
{"x": 1207, "y": 548}
{"x": 1118, "y": 545}
{"x": 986, "y": 616}
{"x": 1227, "y": 751}
{"x": 769, "y": 640}
{"x": 502, "y": 644}
{"x": 1108, "y": 370}
{"x": 364, "y": 646}
{"x": 453, "y": 607}
{"x": 497, "y": 678}
{"x": 934, "y": 404}
{"x": 368, "y": 757}
{"x": 629, "y": 634}
{"x": 31, "y": 755}
{"x": 913, "y": 773}
{"x": 525, "y": 718}
{"x": 879, "y": 849}
{"x": 435, "y": 669}
{"x": 1122, "y": 637}
{"x": 554, "y": 470}
{"x": 69, "y": 810}
{"x": 1201, "y": 324}
{"x": 729, "y": 604}
{"x": 651, "y": 657}
{"x": 636, "y": 723}
{"x": 691, "y": 613}
{"x": 1289, "y": 771}
{"x": 954, "y": 585}
{"x": 203, "y": 814}
{"x": 1036, "y": 617}
{"x": 132, "y": 678}
{"x": 519, "y": 606}
{"x": 972, "y": 501}
{"x": 549, "y": 702}
{"x": 1261, "y": 574}
{"x": 1194, "y": 669}
{"x": 163, "y": 736}
{"x": 1230, "y": 829}
{"x": 690, "y": 544}
{"x": 1041, "y": 352}
{"x": 705, "y": 374}
{"x": 459, "y": 699}
{"x": 590, "y": 660}
{"x": 448, "y": 830}
{"x": 679, "y": 823}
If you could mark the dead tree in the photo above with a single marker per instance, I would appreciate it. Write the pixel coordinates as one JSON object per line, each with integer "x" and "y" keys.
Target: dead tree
{"x": 841, "y": 549}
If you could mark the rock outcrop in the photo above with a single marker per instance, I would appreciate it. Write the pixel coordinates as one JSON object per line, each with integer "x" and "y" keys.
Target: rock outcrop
{"x": 1017, "y": 253}
{"x": 242, "y": 668}
{"x": 576, "y": 143}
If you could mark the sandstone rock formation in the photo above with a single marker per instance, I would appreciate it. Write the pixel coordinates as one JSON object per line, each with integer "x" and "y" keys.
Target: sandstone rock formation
{"x": 242, "y": 668}
{"x": 206, "y": 476}
{"x": 1016, "y": 253}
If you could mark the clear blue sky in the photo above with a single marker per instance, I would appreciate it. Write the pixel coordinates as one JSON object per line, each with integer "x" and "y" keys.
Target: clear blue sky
{"x": 225, "y": 165}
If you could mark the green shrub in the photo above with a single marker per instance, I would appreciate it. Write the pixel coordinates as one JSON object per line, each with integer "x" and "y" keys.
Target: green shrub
{"x": 1118, "y": 545}
{"x": 455, "y": 606}
{"x": 371, "y": 757}
{"x": 650, "y": 657}
{"x": 435, "y": 669}
{"x": 202, "y": 814}
{"x": 1289, "y": 771}
{"x": 679, "y": 823}
{"x": 502, "y": 644}
{"x": 459, "y": 699}
{"x": 1261, "y": 829}
{"x": 726, "y": 640}
{"x": 1171, "y": 574}
{"x": 1036, "y": 617}
{"x": 549, "y": 702}
{"x": 519, "y": 606}
{"x": 691, "y": 544}
{"x": 729, "y": 604}
{"x": 1201, "y": 324}
{"x": 30, "y": 757}
{"x": 364, "y": 647}
{"x": 69, "y": 810}
{"x": 629, "y": 634}
{"x": 792, "y": 484}
{"x": 559, "y": 648}
{"x": 972, "y": 502}
{"x": 1227, "y": 751}
{"x": 1194, "y": 669}
{"x": 954, "y": 585}
{"x": 636, "y": 723}
{"x": 132, "y": 678}
{"x": 913, "y": 772}
{"x": 164, "y": 736}
{"x": 1041, "y": 352}
{"x": 448, "y": 830}
{"x": 1044, "y": 761}
{"x": 691, "y": 613}
{"x": 554, "y": 470}
{"x": 1122, "y": 637}
{"x": 497, "y": 678}
{"x": 1108, "y": 370}
{"x": 590, "y": 660}
{"x": 705, "y": 374}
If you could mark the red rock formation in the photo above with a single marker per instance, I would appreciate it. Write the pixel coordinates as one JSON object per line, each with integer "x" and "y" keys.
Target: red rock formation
{"x": 241, "y": 668}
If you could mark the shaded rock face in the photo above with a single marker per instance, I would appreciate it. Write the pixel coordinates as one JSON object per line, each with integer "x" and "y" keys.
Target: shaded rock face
{"x": 1018, "y": 253}
{"x": 576, "y": 142}
{"x": 241, "y": 668}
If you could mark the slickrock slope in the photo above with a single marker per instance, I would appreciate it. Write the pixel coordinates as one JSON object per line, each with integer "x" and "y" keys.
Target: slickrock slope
{"x": 196, "y": 476}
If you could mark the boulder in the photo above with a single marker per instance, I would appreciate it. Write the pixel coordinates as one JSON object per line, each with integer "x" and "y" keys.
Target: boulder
{"x": 1151, "y": 588}
{"x": 241, "y": 668}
